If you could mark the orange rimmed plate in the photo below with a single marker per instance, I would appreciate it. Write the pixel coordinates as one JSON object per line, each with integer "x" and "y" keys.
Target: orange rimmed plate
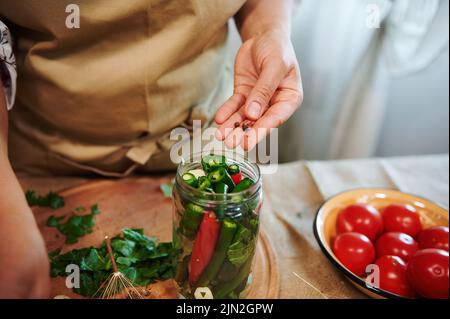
{"x": 431, "y": 214}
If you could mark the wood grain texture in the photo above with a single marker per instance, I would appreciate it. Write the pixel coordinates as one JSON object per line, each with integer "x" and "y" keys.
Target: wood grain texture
{"x": 139, "y": 203}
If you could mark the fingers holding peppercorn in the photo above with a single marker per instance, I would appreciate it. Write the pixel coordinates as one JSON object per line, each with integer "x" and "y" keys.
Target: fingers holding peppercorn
{"x": 236, "y": 136}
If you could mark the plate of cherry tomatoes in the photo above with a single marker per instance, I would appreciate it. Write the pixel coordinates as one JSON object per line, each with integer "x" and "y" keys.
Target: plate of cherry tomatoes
{"x": 389, "y": 244}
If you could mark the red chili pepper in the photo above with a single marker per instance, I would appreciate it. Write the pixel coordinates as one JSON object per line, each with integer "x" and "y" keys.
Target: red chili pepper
{"x": 204, "y": 245}
{"x": 236, "y": 178}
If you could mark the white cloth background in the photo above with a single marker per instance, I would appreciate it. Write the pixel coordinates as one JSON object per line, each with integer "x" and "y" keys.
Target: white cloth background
{"x": 425, "y": 176}
{"x": 348, "y": 68}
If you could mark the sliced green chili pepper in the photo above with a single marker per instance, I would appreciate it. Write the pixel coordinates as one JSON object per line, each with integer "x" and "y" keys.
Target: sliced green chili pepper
{"x": 233, "y": 169}
{"x": 192, "y": 218}
{"x": 220, "y": 212}
{"x": 253, "y": 204}
{"x": 212, "y": 162}
{"x": 232, "y": 295}
{"x": 241, "y": 287}
{"x": 190, "y": 179}
{"x": 204, "y": 184}
{"x": 254, "y": 225}
{"x": 227, "y": 232}
{"x": 227, "y": 272}
{"x": 243, "y": 185}
{"x": 221, "y": 188}
{"x": 235, "y": 294}
{"x": 221, "y": 175}
{"x": 227, "y": 287}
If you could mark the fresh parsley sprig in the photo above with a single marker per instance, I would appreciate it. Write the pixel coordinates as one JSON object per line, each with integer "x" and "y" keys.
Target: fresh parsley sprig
{"x": 52, "y": 200}
{"x": 140, "y": 258}
{"x": 77, "y": 225}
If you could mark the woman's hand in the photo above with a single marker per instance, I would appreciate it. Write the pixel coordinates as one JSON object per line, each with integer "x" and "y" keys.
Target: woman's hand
{"x": 267, "y": 89}
{"x": 24, "y": 266}
{"x": 23, "y": 262}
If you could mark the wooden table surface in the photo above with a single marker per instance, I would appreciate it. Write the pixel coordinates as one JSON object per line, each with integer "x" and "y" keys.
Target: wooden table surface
{"x": 292, "y": 196}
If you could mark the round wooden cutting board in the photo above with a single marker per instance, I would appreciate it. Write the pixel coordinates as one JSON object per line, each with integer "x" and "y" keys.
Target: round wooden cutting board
{"x": 139, "y": 203}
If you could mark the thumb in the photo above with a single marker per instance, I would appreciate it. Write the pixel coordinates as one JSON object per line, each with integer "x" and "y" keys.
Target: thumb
{"x": 266, "y": 86}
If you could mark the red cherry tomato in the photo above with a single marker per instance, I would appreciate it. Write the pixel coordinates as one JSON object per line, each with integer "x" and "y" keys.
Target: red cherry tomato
{"x": 396, "y": 244}
{"x": 434, "y": 237}
{"x": 392, "y": 271}
{"x": 428, "y": 273}
{"x": 355, "y": 251}
{"x": 401, "y": 218}
{"x": 363, "y": 219}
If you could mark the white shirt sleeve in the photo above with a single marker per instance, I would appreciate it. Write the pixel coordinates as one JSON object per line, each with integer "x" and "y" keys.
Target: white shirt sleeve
{"x": 8, "y": 71}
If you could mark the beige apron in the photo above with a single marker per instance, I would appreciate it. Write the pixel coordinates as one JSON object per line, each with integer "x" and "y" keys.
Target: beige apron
{"x": 103, "y": 98}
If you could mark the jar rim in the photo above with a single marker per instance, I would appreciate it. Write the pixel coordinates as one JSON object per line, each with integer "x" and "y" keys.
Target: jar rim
{"x": 205, "y": 197}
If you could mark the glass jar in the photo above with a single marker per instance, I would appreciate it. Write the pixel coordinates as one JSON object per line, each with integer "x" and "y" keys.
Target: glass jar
{"x": 216, "y": 234}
